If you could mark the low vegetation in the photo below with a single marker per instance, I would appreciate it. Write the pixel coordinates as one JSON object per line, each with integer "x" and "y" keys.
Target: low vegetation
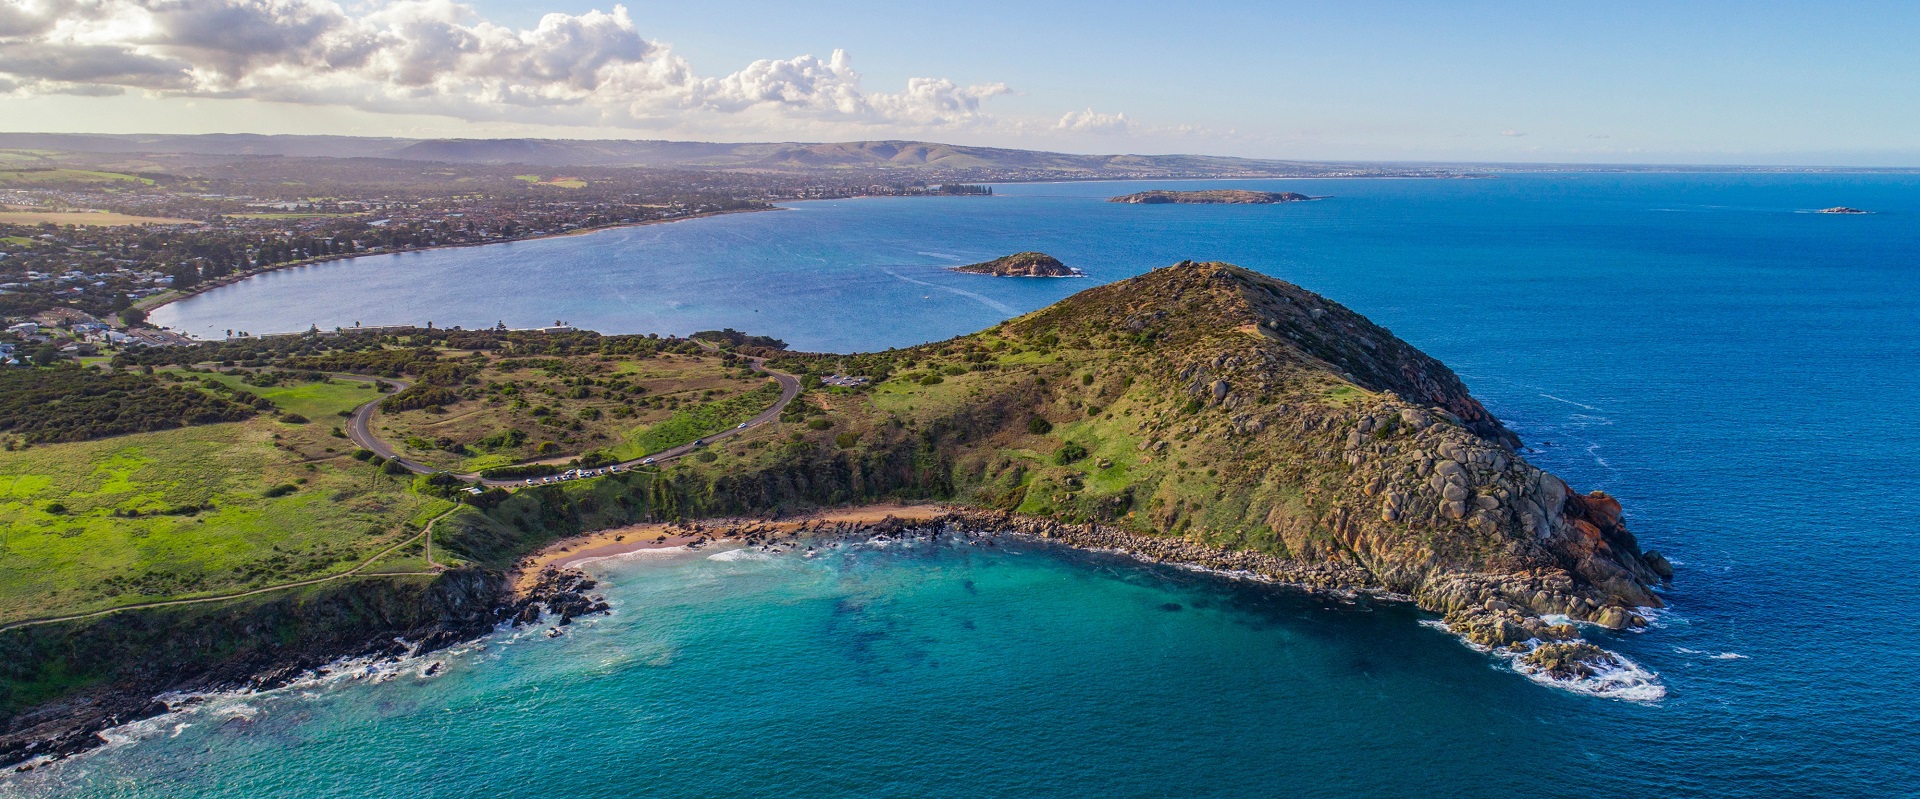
{"x": 70, "y": 403}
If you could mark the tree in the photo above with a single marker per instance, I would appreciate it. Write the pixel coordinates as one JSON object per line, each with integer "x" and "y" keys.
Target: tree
{"x": 47, "y": 355}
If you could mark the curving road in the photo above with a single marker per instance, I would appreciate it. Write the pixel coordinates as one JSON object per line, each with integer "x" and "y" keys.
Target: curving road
{"x": 360, "y": 428}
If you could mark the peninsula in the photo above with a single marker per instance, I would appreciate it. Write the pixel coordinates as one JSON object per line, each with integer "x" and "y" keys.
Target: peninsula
{"x": 1211, "y": 197}
{"x": 1199, "y": 414}
{"x": 1021, "y": 264}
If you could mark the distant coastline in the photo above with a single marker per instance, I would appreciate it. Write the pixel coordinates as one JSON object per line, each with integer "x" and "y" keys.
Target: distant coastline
{"x": 159, "y": 301}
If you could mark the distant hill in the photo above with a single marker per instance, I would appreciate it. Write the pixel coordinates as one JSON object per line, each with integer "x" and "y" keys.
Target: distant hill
{"x": 921, "y": 159}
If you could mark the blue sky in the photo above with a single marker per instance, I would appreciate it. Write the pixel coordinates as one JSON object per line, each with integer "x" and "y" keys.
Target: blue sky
{"x": 1785, "y": 83}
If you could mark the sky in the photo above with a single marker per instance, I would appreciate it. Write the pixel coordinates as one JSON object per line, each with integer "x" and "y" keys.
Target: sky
{"x": 1700, "y": 82}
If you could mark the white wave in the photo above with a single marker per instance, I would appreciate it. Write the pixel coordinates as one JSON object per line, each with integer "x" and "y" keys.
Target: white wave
{"x": 942, "y": 255}
{"x": 1625, "y": 680}
{"x": 1728, "y": 656}
{"x": 739, "y": 554}
{"x": 637, "y": 554}
{"x": 1571, "y": 402}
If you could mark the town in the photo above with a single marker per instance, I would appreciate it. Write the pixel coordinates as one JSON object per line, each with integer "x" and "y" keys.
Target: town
{"x": 85, "y": 253}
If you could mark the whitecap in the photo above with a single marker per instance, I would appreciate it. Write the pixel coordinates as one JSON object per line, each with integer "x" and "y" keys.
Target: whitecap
{"x": 1728, "y": 656}
{"x": 741, "y": 554}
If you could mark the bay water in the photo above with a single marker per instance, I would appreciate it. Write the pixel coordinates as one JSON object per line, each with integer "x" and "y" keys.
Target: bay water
{"x": 1738, "y": 371}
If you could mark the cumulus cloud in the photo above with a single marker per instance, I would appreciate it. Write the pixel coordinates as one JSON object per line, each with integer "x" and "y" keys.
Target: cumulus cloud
{"x": 1090, "y": 121}
{"x": 1513, "y": 134}
{"x": 440, "y": 57}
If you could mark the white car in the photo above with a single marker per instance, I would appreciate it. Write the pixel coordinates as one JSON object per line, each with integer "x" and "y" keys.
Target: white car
{"x": 743, "y": 426}
{"x": 647, "y": 462}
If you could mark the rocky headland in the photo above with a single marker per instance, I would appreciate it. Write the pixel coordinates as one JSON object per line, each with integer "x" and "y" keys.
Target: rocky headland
{"x": 1199, "y": 414}
{"x": 1021, "y": 264}
{"x": 1211, "y": 197}
{"x": 1841, "y": 209}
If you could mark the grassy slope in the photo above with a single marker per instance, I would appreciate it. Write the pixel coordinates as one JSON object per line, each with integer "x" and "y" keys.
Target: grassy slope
{"x": 88, "y": 558}
{"x": 672, "y": 388}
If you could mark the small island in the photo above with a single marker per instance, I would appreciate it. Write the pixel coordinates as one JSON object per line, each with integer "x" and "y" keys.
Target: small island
{"x": 1841, "y": 209}
{"x": 1211, "y": 197}
{"x": 1022, "y": 264}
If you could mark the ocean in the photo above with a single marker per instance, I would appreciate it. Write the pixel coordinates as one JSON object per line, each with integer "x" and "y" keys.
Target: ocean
{"x": 1737, "y": 370}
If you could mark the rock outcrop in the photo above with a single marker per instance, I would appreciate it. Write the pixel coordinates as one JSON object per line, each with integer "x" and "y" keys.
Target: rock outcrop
{"x": 1021, "y": 264}
{"x": 1211, "y": 197}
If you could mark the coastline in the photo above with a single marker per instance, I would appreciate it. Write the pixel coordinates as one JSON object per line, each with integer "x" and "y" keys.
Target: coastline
{"x": 159, "y": 301}
{"x": 549, "y": 587}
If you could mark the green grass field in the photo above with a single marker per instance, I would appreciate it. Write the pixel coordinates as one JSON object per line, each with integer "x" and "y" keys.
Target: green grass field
{"x": 44, "y": 177}
{"x": 687, "y": 425}
{"x": 319, "y": 402}
{"x": 178, "y": 513}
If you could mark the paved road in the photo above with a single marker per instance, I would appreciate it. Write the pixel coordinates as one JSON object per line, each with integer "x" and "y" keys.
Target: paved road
{"x": 360, "y": 429}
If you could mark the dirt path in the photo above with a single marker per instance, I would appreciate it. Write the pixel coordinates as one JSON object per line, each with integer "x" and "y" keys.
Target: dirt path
{"x": 360, "y": 428}
{"x": 426, "y": 533}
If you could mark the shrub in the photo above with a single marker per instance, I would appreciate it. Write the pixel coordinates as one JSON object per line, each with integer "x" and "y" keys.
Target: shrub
{"x": 1069, "y": 452}
{"x": 394, "y": 467}
{"x": 846, "y": 440}
{"x": 932, "y": 380}
{"x": 362, "y": 454}
{"x": 280, "y": 490}
{"x": 520, "y": 470}
{"x": 1039, "y": 426}
{"x": 819, "y": 424}
{"x": 294, "y": 418}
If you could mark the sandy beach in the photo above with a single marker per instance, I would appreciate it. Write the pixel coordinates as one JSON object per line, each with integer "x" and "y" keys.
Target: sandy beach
{"x": 663, "y": 535}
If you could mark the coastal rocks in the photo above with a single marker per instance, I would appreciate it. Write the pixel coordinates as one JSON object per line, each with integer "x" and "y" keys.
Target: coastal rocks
{"x": 558, "y": 592}
{"x": 1569, "y": 661}
{"x": 137, "y": 655}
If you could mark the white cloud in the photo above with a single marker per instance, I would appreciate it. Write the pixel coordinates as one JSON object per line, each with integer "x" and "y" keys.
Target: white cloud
{"x": 1510, "y": 133}
{"x": 1090, "y": 121}
{"x": 440, "y": 57}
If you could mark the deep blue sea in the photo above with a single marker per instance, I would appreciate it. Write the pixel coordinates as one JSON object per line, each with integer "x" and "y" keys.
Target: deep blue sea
{"x": 1742, "y": 374}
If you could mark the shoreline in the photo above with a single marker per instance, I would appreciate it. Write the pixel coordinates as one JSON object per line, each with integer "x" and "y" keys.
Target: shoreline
{"x": 170, "y": 298}
{"x": 549, "y": 587}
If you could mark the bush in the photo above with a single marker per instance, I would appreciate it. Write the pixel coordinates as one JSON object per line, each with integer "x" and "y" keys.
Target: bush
{"x": 394, "y": 467}
{"x": 280, "y": 490}
{"x": 294, "y": 418}
{"x": 520, "y": 471}
{"x": 1069, "y": 452}
{"x": 56, "y": 508}
{"x": 362, "y": 454}
{"x": 1039, "y": 426}
{"x": 846, "y": 440}
{"x": 932, "y": 380}
{"x": 819, "y": 424}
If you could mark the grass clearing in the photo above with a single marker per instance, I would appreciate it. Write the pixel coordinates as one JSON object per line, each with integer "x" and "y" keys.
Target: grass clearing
{"x": 86, "y": 218}
{"x": 178, "y": 513}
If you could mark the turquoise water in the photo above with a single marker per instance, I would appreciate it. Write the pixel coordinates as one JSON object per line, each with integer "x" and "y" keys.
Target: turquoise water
{"x": 1741, "y": 374}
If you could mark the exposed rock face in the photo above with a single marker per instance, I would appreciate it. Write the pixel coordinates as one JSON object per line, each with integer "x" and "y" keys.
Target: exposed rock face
{"x": 1211, "y": 197}
{"x": 1021, "y": 264}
